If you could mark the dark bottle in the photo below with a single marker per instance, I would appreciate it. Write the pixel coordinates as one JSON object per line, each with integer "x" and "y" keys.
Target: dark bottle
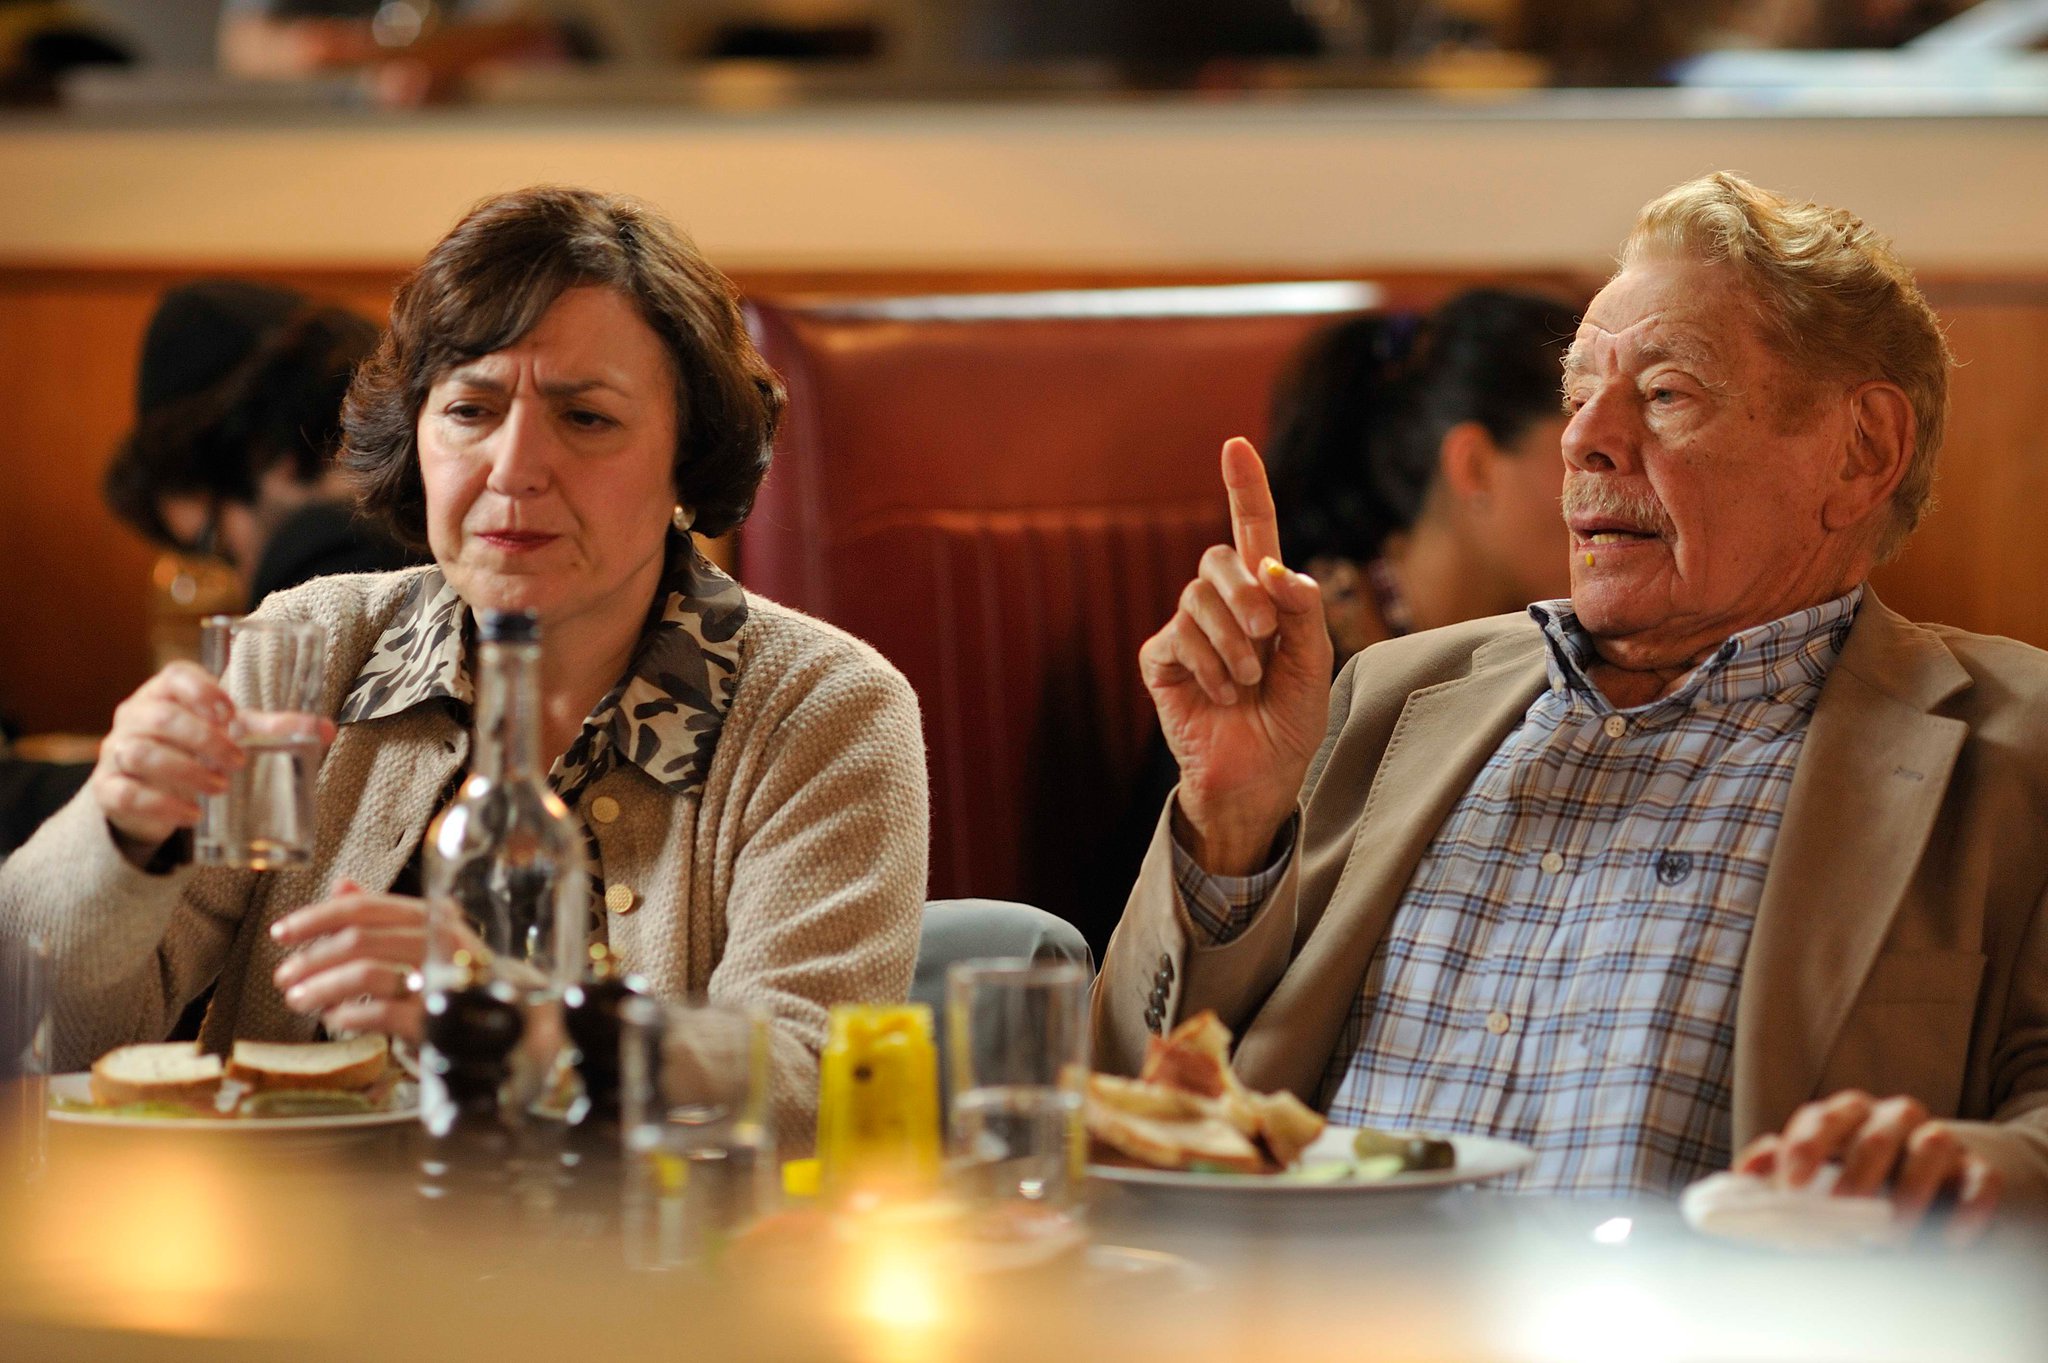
{"x": 466, "y": 1145}
{"x": 590, "y": 1013}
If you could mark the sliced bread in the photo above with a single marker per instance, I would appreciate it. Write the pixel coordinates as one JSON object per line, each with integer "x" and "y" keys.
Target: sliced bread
{"x": 166, "y": 1071}
{"x": 352, "y": 1064}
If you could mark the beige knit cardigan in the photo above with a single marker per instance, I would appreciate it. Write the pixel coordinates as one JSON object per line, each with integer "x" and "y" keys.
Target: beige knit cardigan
{"x": 793, "y": 880}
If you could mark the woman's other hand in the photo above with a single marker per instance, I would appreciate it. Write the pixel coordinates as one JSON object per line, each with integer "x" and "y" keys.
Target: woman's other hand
{"x": 355, "y": 958}
{"x": 1241, "y": 679}
{"x": 169, "y": 748}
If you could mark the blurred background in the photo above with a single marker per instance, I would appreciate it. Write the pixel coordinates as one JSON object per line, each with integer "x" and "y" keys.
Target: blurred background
{"x": 902, "y": 148}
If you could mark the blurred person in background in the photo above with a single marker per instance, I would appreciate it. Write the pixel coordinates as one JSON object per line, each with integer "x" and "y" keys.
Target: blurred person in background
{"x": 1643, "y": 42}
{"x": 41, "y": 40}
{"x": 238, "y": 420}
{"x": 419, "y": 51}
{"x": 1416, "y": 475}
{"x": 1417, "y": 466}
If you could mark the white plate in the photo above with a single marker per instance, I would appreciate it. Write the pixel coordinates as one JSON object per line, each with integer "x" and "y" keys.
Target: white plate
{"x": 1479, "y": 1158}
{"x": 77, "y": 1088}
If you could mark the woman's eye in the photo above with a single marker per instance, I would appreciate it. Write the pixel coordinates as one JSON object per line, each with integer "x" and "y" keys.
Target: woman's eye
{"x": 588, "y": 420}
{"x": 466, "y": 411}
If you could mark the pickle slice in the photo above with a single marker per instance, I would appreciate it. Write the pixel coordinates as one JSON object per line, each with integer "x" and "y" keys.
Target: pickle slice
{"x": 1416, "y": 1153}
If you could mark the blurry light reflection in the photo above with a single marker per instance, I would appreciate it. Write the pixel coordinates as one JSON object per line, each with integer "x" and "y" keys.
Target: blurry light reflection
{"x": 1613, "y": 1231}
{"x": 1605, "y": 1320}
{"x": 904, "y": 1284}
{"x": 161, "y": 1237}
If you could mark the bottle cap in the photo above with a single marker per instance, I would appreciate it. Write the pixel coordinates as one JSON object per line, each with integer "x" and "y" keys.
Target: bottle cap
{"x": 508, "y": 627}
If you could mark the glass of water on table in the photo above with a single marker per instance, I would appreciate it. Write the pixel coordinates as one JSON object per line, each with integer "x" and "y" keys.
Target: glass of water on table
{"x": 1017, "y": 1051}
{"x": 271, "y": 669}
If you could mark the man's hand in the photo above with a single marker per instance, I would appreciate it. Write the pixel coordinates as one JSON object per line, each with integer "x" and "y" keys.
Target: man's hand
{"x": 1241, "y": 679}
{"x": 1892, "y": 1144}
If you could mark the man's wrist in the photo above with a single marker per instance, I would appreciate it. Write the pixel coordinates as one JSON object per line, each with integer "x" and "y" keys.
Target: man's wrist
{"x": 1227, "y": 846}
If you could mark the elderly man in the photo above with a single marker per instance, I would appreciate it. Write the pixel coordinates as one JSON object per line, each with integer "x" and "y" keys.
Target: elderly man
{"x": 1718, "y": 855}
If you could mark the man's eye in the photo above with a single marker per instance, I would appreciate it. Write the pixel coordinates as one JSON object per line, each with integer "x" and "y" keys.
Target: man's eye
{"x": 466, "y": 411}
{"x": 588, "y": 420}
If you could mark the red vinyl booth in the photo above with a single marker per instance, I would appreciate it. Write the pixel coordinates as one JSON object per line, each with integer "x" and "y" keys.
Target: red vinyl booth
{"x": 1004, "y": 494}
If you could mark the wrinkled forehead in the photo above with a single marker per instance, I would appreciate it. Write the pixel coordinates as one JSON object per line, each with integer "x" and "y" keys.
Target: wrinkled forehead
{"x": 1702, "y": 318}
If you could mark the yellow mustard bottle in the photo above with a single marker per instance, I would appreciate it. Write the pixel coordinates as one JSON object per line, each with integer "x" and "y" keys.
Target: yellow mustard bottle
{"x": 878, "y": 1101}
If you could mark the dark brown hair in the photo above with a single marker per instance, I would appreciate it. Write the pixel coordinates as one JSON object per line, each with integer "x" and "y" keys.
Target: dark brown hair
{"x": 490, "y": 281}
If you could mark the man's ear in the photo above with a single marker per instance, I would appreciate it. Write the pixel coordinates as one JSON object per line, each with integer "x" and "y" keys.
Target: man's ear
{"x": 1882, "y": 429}
{"x": 1465, "y": 461}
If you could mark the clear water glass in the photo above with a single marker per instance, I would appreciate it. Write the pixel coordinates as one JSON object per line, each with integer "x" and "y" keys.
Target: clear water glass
{"x": 694, "y": 1091}
{"x": 272, "y": 671}
{"x": 1017, "y": 1049}
{"x": 24, "y": 1053}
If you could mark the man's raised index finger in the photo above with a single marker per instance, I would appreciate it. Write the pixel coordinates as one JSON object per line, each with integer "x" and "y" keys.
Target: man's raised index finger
{"x": 1254, "y": 527}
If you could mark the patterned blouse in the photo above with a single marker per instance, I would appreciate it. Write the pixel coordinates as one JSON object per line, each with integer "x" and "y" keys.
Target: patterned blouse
{"x": 663, "y": 716}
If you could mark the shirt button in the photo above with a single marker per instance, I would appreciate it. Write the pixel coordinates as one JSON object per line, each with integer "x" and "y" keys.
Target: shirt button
{"x": 604, "y": 809}
{"x": 1552, "y": 863}
{"x": 621, "y": 899}
{"x": 1166, "y": 967}
{"x": 1615, "y": 726}
{"x": 1153, "y": 1019}
{"x": 1497, "y": 1023}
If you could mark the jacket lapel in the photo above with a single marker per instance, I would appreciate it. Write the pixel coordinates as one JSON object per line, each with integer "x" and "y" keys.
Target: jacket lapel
{"x": 1869, "y": 786}
{"x": 1444, "y": 736}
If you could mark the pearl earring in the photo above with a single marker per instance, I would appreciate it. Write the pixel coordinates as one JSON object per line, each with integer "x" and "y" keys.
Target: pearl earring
{"x": 683, "y": 518}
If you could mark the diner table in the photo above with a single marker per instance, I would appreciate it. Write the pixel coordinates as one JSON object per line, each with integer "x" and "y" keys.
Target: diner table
{"x": 160, "y": 1244}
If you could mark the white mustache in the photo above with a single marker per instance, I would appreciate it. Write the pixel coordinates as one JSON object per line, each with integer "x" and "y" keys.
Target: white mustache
{"x": 1640, "y": 510}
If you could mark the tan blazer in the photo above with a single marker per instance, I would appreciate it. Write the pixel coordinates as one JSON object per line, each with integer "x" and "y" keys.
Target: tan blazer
{"x": 1900, "y": 947}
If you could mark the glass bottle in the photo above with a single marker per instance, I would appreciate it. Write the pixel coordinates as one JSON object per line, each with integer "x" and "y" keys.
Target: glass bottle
{"x": 504, "y": 868}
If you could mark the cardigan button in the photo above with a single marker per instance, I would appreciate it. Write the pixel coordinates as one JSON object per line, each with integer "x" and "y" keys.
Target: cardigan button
{"x": 621, "y": 899}
{"x": 604, "y": 809}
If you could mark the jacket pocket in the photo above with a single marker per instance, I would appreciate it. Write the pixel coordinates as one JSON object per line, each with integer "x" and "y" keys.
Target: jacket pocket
{"x": 1909, "y": 1030}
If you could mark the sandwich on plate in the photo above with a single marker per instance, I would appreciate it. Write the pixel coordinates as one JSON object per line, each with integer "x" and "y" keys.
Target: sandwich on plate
{"x": 1187, "y": 1110}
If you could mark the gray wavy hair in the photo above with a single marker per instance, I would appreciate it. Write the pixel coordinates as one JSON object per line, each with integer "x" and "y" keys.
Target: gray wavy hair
{"x": 1835, "y": 299}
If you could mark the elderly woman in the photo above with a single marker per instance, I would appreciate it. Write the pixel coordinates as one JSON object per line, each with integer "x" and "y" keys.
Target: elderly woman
{"x": 565, "y": 390}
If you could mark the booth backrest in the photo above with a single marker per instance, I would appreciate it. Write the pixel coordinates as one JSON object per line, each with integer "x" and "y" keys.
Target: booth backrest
{"x": 1004, "y": 494}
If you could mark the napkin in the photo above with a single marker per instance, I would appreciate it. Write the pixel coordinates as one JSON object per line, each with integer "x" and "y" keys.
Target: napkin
{"x": 1757, "y": 1211}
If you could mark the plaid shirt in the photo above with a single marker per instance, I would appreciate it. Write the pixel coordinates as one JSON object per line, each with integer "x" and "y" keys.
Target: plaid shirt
{"x": 1562, "y": 969}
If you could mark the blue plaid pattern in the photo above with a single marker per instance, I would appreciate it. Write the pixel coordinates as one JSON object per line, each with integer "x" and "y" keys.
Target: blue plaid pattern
{"x": 1221, "y": 907}
{"x": 1563, "y": 967}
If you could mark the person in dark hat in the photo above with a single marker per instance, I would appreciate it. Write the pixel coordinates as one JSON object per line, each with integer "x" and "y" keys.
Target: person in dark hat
{"x": 238, "y": 413}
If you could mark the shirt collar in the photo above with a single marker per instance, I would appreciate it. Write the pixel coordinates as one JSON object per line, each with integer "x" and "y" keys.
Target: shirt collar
{"x": 663, "y": 715}
{"x": 1793, "y": 650}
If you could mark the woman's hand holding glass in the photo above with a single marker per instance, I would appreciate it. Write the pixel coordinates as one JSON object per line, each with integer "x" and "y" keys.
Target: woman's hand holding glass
{"x": 356, "y": 959}
{"x": 171, "y": 744}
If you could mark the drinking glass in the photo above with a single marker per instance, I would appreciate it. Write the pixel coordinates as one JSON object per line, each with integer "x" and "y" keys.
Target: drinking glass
{"x": 24, "y": 1053}
{"x": 700, "y": 1153}
{"x": 1017, "y": 1043}
{"x": 272, "y": 670}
